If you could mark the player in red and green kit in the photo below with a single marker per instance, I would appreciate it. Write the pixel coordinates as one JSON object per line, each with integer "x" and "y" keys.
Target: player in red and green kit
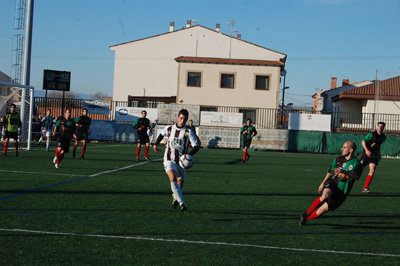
{"x": 66, "y": 131}
{"x": 83, "y": 125}
{"x": 248, "y": 132}
{"x": 372, "y": 152}
{"x": 142, "y": 125}
{"x": 337, "y": 183}
{"x": 12, "y": 122}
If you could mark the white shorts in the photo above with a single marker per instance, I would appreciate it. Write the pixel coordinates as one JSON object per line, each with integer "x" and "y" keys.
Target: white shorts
{"x": 169, "y": 165}
{"x": 46, "y": 132}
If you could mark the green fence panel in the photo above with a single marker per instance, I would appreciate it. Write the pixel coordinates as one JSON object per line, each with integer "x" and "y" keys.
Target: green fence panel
{"x": 391, "y": 147}
{"x": 334, "y": 141}
{"x": 305, "y": 141}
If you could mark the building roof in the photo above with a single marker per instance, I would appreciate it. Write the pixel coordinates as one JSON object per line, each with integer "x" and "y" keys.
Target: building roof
{"x": 388, "y": 89}
{"x": 191, "y": 27}
{"x": 214, "y": 60}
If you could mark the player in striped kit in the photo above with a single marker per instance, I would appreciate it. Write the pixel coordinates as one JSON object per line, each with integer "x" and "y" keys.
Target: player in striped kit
{"x": 178, "y": 139}
{"x": 47, "y": 128}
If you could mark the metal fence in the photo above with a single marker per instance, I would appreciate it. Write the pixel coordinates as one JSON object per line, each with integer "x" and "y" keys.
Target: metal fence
{"x": 263, "y": 118}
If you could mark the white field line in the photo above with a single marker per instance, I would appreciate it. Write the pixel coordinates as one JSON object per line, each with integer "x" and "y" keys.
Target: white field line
{"x": 201, "y": 242}
{"x": 41, "y": 173}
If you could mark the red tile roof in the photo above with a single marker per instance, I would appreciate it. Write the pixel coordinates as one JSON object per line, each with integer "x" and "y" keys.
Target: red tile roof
{"x": 388, "y": 89}
{"x": 213, "y": 60}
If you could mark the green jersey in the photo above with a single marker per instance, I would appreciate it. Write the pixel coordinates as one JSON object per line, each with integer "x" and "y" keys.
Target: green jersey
{"x": 84, "y": 123}
{"x": 249, "y": 129}
{"x": 66, "y": 127}
{"x": 12, "y": 122}
{"x": 142, "y": 123}
{"x": 373, "y": 142}
{"x": 353, "y": 166}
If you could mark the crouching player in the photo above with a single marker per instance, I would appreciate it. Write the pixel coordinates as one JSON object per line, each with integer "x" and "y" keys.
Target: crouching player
{"x": 178, "y": 139}
{"x": 337, "y": 183}
{"x": 83, "y": 125}
{"x": 66, "y": 128}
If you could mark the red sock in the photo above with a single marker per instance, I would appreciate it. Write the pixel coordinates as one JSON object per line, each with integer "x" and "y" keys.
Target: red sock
{"x": 59, "y": 158}
{"x": 83, "y": 150}
{"x": 137, "y": 152}
{"x": 5, "y": 147}
{"x": 317, "y": 202}
{"x": 146, "y": 150}
{"x": 368, "y": 181}
{"x": 244, "y": 155}
{"x": 313, "y": 215}
{"x": 16, "y": 147}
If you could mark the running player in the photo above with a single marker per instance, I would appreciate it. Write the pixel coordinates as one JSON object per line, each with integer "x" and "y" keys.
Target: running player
{"x": 248, "y": 132}
{"x": 12, "y": 122}
{"x": 152, "y": 130}
{"x": 83, "y": 128}
{"x": 47, "y": 127}
{"x": 142, "y": 125}
{"x": 178, "y": 139}
{"x": 371, "y": 153}
{"x": 337, "y": 183}
{"x": 66, "y": 131}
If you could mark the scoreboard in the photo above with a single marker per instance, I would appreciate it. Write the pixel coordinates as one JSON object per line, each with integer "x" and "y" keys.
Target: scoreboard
{"x": 56, "y": 80}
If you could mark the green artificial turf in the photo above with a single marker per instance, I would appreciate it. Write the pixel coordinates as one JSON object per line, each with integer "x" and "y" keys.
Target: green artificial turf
{"x": 238, "y": 213}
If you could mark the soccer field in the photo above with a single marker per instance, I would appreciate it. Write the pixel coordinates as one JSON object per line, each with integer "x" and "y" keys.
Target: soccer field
{"x": 110, "y": 209}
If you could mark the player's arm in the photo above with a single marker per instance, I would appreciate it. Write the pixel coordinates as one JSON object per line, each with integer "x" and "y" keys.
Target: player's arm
{"x": 355, "y": 174}
{"x": 135, "y": 124}
{"x": 194, "y": 142}
{"x": 326, "y": 178}
{"x": 56, "y": 126}
{"x": 160, "y": 137}
{"x": 254, "y": 133}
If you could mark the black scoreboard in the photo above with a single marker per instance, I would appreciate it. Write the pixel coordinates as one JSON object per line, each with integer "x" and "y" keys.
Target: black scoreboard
{"x": 56, "y": 80}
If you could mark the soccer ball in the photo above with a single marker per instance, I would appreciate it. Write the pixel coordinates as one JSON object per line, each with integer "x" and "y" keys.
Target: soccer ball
{"x": 186, "y": 161}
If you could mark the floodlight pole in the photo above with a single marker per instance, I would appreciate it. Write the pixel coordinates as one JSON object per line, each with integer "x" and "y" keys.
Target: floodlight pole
{"x": 283, "y": 73}
{"x": 27, "y": 64}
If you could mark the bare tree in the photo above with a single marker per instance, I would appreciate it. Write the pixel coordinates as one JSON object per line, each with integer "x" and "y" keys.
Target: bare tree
{"x": 100, "y": 95}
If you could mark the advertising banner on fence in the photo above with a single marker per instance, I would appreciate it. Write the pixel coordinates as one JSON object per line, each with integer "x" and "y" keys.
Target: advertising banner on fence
{"x": 131, "y": 114}
{"x": 309, "y": 122}
{"x": 219, "y": 137}
{"x": 97, "y": 107}
{"x": 271, "y": 139}
{"x": 218, "y": 119}
{"x": 102, "y": 130}
{"x": 169, "y": 112}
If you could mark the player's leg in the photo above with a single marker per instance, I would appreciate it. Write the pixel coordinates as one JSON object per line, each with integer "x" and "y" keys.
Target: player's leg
{"x": 83, "y": 149}
{"x": 146, "y": 151}
{"x": 175, "y": 202}
{"x": 6, "y": 140}
{"x": 76, "y": 143}
{"x": 317, "y": 207}
{"x": 368, "y": 180}
{"x": 244, "y": 153}
{"x": 138, "y": 151}
{"x": 48, "y": 139}
{"x": 176, "y": 189}
{"x": 16, "y": 145}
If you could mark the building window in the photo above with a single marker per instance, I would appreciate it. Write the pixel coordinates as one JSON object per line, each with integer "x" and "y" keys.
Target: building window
{"x": 227, "y": 81}
{"x": 194, "y": 79}
{"x": 262, "y": 82}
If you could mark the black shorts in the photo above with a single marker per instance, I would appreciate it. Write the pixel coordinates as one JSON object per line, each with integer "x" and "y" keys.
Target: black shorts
{"x": 11, "y": 135}
{"x": 337, "y": 198}
{"x": 246, "y": 142}
{"x": 365, "y": 160}
{"x": 143, "y": 138}
{"x": 82, "y": 135}
{"x": 63, "y": 143}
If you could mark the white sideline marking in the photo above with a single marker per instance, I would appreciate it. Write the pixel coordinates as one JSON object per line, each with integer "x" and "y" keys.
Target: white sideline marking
{"x": 122, "y": 168}
{"x": 42, "y": 173}
{"x": 201, "y": 242}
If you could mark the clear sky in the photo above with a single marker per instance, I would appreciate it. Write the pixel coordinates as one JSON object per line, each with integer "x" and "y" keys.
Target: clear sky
{"x": 322, "y": 38}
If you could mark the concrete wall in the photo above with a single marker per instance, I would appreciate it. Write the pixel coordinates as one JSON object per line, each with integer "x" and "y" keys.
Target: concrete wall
{"x": 147, "y": 67}
{"x": 382, "y": 107}
{"x": 243, "y": 94}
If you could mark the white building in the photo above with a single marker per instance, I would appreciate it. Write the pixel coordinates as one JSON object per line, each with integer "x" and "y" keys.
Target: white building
{"x": 158, "y": 68}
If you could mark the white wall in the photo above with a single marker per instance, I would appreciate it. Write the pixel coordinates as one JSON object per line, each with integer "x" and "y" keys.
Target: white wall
{"x": 243, "y": 94}
{"x": 150, "y": 64}
{"x": 382, "y": 107}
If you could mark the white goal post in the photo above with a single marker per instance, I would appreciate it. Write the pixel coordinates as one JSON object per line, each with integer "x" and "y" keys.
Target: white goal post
{"x": 26, "y": 111}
